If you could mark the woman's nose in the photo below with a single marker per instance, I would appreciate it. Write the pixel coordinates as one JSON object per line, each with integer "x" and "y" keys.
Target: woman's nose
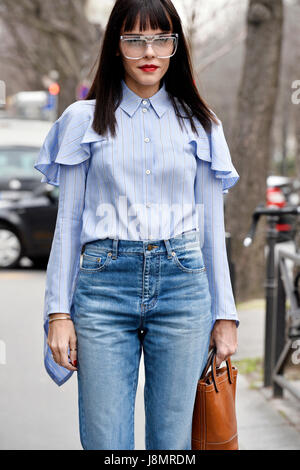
{"x": 149, "y": 52}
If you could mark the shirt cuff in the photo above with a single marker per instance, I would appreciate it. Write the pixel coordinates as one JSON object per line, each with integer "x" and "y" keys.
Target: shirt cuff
{"x": 237, "y": 321}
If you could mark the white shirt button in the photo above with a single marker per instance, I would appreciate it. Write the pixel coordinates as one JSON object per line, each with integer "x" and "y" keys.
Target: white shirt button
{"x": 145, "y": 102}
{"x": 148, "y": 172}
{"x": 144, "y": 110}
{"x": 147, "y": 139}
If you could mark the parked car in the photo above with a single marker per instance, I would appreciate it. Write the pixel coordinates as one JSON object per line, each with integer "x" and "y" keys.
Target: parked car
{"x": 27, "y": 227}
{"x": 20, "y": 141}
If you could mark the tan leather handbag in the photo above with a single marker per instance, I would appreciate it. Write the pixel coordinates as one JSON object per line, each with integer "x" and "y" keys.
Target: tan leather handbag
{"x": 214, "y": 417}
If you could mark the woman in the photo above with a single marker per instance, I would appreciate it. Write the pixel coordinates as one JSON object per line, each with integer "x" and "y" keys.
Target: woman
{"x": 138, "y": 259}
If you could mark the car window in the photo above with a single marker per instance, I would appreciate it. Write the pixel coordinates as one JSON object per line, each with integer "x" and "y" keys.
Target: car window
{"x": 18, "y": 162}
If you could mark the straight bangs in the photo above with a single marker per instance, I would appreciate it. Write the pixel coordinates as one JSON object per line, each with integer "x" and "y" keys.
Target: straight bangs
{"x": 149, "y": 14}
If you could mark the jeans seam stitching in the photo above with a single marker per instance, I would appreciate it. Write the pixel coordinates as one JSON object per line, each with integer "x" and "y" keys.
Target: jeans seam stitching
{"x": 101, "y": 268}
{"x": 188, "y": 270}
{"x": 133, "y": 403}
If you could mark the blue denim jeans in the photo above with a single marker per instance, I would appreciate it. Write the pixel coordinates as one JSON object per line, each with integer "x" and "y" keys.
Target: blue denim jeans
{"x": 131, "y": 295}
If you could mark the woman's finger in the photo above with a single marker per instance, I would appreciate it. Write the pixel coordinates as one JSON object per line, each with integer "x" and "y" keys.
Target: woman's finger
{"x": 219, "y": 359}
{"x": 73, "y": 351}
{"x": 55, "y": 354}
{"x": 64, "y": 360}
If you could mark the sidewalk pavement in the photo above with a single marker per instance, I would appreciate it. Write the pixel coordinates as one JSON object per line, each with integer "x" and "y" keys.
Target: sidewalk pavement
{"x": 264, "y": 423}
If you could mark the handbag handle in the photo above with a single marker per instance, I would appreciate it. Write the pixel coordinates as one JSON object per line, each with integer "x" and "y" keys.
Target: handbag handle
{"x": 211, "y": 361}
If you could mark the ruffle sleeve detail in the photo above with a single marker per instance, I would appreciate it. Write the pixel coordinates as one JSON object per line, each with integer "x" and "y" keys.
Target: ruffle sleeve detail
{"x": 67, "y": 142}
{"x": 212, "y": 147}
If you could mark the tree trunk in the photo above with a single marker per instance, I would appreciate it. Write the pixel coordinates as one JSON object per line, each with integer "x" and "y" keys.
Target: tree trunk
{"x": 297, "y": 134}
{"x": 251, "y": 142}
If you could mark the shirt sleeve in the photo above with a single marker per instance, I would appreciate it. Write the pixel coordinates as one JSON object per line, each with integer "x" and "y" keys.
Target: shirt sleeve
{"x": 211, "y": 205}
{"x": 215, "y": 175}
{"x": 63, "y": 161}
{"x": 63, "y": 264}
{"x": 64, "y": 260}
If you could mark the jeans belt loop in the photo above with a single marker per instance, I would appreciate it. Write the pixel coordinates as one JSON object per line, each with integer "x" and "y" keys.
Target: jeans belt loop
{"x": 169, "y": 249}
{"x": 115, "y": 248}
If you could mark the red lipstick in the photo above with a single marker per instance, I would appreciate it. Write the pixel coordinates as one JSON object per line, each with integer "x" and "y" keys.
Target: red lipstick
{"x": 148, "y": 67}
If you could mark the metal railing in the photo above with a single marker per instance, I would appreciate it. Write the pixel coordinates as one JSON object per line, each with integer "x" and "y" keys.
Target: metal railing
{"x": 286, "y": 324}
{"x": 271, "y": 288}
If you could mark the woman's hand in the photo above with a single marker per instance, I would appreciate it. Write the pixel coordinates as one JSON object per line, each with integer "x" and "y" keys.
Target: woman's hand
{"x": 224, "y": 338}
{"x": 61, "y": 335}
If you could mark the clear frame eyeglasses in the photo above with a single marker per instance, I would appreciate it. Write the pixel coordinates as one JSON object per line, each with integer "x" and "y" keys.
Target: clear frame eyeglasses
{"x": 164, "y": 46}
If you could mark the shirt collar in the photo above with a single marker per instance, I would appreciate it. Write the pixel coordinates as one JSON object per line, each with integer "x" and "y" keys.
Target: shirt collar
{"x": 131, "y": 101}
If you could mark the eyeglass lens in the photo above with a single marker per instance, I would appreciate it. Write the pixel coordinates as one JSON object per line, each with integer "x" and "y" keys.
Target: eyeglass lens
{"x": 135, "y": 47}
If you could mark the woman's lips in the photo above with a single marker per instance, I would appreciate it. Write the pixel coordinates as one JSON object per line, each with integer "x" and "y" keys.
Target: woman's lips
{"x": 148, "y": 69}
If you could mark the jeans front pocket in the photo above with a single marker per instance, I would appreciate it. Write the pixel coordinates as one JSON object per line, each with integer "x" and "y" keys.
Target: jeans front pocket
{"x": 189, "y": 260}
{"x": 94, "y": 263}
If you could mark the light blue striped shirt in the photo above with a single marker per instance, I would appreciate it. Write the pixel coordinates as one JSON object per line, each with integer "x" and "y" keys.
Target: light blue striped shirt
{"x": 153, "y": 180}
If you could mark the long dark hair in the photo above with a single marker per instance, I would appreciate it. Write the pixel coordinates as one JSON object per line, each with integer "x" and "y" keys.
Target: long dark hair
{"x": 179, "y": 78}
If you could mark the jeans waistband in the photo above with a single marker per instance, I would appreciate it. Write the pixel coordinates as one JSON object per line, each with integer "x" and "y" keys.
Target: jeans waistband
{"x": 185, "y": 240}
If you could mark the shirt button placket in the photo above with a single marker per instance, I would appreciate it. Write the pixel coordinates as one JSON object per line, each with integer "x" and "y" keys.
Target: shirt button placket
{"x": 148, "y": 160}
{"x": 145, "y": 107}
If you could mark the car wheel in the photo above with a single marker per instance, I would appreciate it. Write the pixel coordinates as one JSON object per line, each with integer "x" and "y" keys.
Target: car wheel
{"x": 10, "y": 248}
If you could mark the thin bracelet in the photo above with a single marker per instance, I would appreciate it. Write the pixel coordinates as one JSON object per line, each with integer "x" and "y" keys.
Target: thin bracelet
{"x": 60, "y": 318}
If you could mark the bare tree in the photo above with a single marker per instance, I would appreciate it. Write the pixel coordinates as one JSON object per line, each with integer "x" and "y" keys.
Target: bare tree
{"x": 251, "y": 144}
{"x": 40, "y": 36}
{"x": 296, "y": 107}
{"x": 297, "y": 132}
{"x": 207, "y": 41}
